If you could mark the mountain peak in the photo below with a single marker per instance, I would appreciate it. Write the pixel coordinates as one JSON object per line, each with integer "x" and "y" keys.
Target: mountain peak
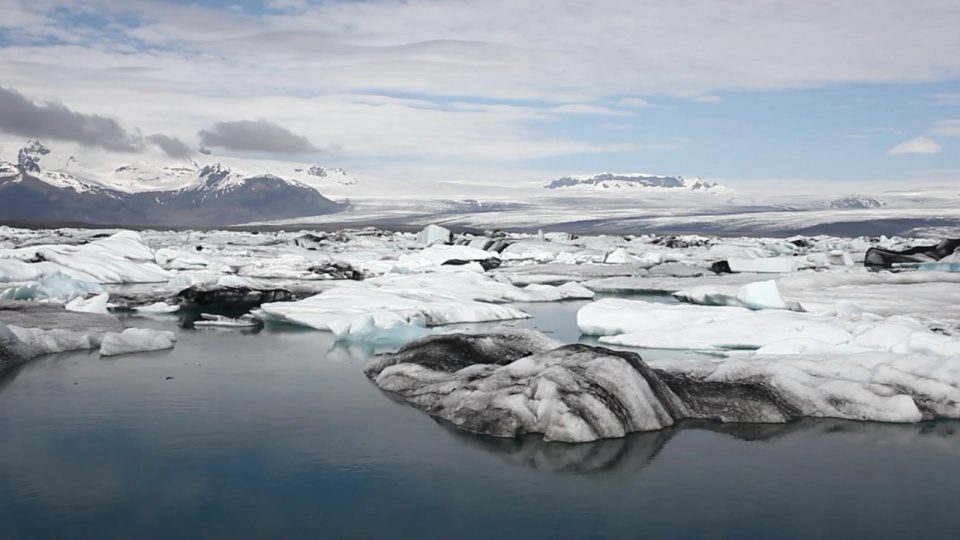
{"x": 606, "y": 180}
{"x": 29, "y": 156}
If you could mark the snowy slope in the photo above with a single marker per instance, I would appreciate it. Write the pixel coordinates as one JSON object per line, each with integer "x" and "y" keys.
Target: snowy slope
{"x": 67, "y": 165}
{"x": 612, "y": 181}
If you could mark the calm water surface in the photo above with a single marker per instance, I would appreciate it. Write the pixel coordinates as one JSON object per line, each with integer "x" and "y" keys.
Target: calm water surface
{"x": 279, "y": 435}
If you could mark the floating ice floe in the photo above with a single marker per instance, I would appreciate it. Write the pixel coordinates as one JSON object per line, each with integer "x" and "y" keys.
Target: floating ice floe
{"x": 30, "y": 329}
{"x": 771, "y": 265}
{"x": 157, "y": 308}
{"x": 434, "y": 234}
{"x": 133, "y": 340}
{"x": 419, "y": 300}
{"x": 933, "y": 295}
{"x": 57, "y": 286}
{"x": 208, "y": 320}
{"x": 96, "y": 304}
{"x": 120, "y": 258}
{"x": 508, "y": 385}
{"x": 648, "y": 325}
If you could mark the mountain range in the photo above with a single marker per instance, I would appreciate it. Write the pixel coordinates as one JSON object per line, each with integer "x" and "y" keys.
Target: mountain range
{"x": 42, "y": 185}
{"x": 605, "y": 181}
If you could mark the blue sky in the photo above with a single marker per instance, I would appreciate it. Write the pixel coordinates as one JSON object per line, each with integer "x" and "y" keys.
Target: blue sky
{"x": 494, "y": 89}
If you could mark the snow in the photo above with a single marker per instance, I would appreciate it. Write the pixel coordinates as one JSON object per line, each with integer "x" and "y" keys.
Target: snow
{"x": 134, "y": 340}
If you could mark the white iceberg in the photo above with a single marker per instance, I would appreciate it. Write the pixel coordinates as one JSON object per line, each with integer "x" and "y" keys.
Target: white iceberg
{"x": 767, "y": 265}
{"x": 14, "y": 271}
{"x": 57, "y": 286}
{"x": 96, "y": 304}
{"x": 434, "y": 234}
{"x": 133, "y": 340}
{"x": 640, "y": 324}
{"x": 157, "y": 308}
{"x": 209, "y": 320}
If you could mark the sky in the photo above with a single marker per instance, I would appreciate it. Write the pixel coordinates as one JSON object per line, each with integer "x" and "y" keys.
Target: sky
{"x": 492, "y": 90}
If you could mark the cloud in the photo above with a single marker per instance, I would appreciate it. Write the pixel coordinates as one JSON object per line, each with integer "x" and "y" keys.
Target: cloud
{"x": 256, "y": 136}
{"x": 594, "y": 110}
{"x": 21, "y": 116}
{"x": 947, "y": 99}
{"x": 171, "y": 146}
{"x": 947, "y": 128}
{"x": 917, "y": 145}
{"x": 708, "y": 99}
{"x": 634, "y": 102}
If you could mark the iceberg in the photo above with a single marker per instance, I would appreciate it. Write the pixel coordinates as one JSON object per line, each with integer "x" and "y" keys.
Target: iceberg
{"x": 768, "y": 265}
{"x": 208, "y": 320}
{"x": 512, "y": 384}
{"x": 647, "y": 325}
{"x": 133, "y": 340}
{"x": 157, "y": 308}
{"x": 96, "y": 304}
{"x": 57, "y": 286}
{"x": 435, "y": 299}
{"x": 14, "y": 271}
{"x": 434, "y": 234}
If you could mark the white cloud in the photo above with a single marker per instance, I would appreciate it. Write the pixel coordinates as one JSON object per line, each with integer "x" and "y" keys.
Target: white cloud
{"x": 435, "y": 80}
{"x": 947, "y": 99}
{"x": 634, "y": 102}
{"x": 947, "y": 128}
{"x": 707, "y": 98}
{"x": 580, "y": 108}
{"x": 917, "y": 145}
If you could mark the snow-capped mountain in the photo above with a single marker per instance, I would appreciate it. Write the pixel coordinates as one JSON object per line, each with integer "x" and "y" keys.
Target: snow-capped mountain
{"x": 611, "y": 181}
{"x": 43, "y": 185}
{"x": 856, "y": 202}
{"x": 336, "y": 174}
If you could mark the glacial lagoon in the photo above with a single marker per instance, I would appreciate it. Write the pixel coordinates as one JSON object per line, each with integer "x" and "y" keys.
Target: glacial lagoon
{"x": 236, "y": 434}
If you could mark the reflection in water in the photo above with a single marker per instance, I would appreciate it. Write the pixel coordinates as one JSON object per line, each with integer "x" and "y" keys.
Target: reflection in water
{"x": 630, "y": 454}
{"x": 619, "y": 457}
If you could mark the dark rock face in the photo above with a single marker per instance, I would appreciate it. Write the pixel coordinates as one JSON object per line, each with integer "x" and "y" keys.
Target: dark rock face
{"x": 205, "y": 296}
{"x": 487, "y": 264}
{"x": 34, "y": 200}
{"x": 249, "y": 201}
{"x": 884, "y": 258}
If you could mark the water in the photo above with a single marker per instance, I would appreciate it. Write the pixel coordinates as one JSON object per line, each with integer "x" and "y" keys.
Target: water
{"x": 279, "y": 435}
